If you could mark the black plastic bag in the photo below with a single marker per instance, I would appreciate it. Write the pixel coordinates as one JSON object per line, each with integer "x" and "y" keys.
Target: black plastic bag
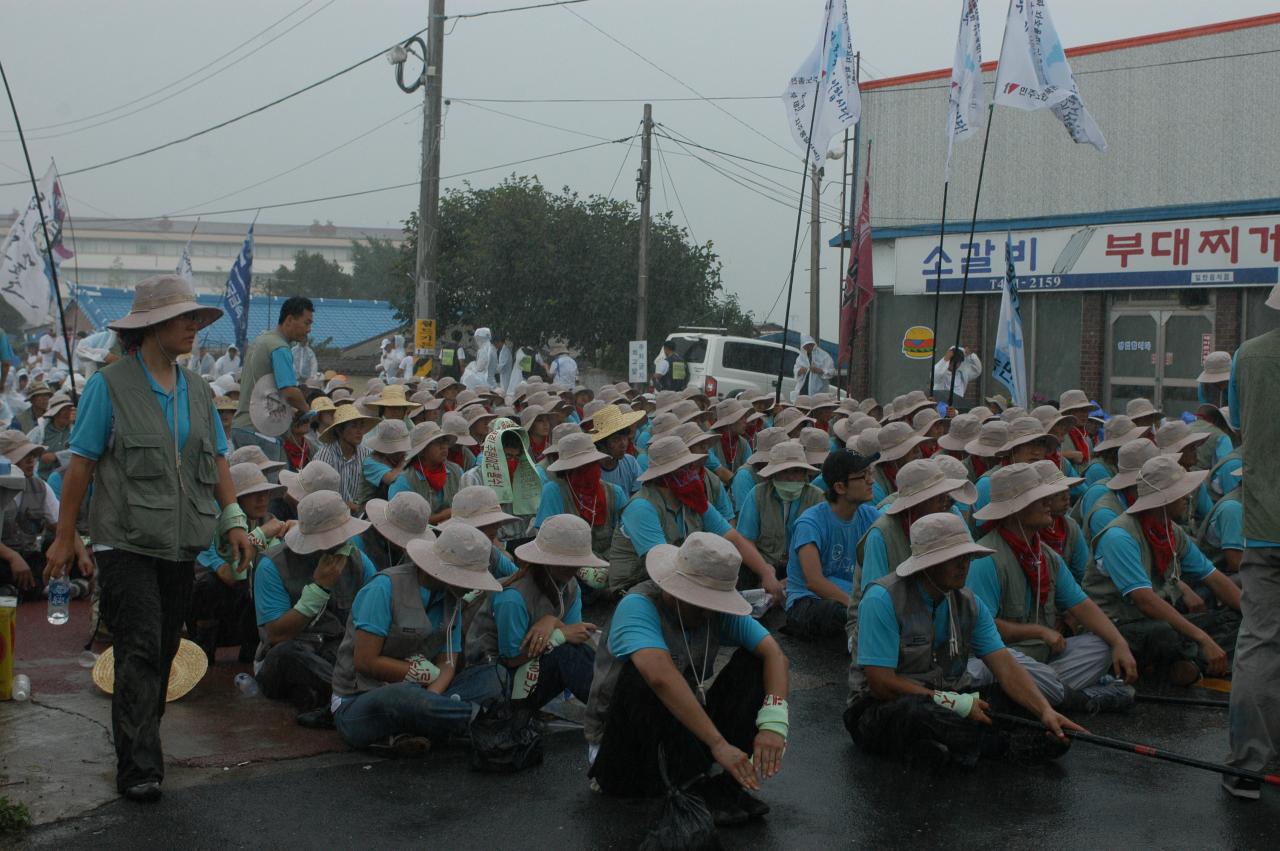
{"x": 504, "y": 740}
{"x": 684, "y": 822}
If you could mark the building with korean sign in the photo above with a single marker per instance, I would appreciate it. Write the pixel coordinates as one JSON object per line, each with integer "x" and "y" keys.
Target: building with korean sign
{"x": 1133, "y": 264}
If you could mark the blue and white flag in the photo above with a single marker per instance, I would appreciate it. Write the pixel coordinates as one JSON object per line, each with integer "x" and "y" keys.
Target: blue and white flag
{"x": 1009, "y": 365}
{"x": 236, "y": 297}
{"x": 1034, "y": 73}
{"x": 968, "y": 97}
{"x": 827, "y": 78}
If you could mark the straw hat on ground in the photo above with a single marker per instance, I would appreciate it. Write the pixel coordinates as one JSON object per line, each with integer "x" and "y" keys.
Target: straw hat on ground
{"x": 253, "y": 454}
{"x": 1162, "y": 481}
{"x": 402, "y": 518}
{"x": 574, "y": 451}
{"x": 921, "y": 480}
{"x": 316, "y": 476}
{"x": 562, "y": 540}
{"x": 703, "y": 572}
{"x": 962, "y": 429}
{"x": 458, "y": 557}
{"x": 666, "y": 455}
{"x": 188, "y": 668}
{"x": 1216, "y": 369}
{"x": 324, "y": 522}
{"x": 345, "y": 414}
{"x": 247, "y": 478}
{"x": 161, "y": 298}
{"x": 477, "y": 506}
{"x": 937, "y": 539}
{"x": 1120, "y": 429}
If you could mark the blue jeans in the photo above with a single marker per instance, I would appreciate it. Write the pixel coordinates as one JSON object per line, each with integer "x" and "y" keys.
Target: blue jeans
{"x": 409, "y": 708}
{"x": 569, "y": 666}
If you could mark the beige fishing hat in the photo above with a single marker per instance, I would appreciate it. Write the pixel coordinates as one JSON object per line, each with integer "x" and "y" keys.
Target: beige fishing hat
{"x": 324, "y": 522}
{"x": 1163, "y": 481}
{"x": 963, "y": 429}
{"x": 693, "y": 436}
{"x": 1026, "y": 430}
{"x": 1013, "y": 488}
{"x": 703, "y": 572}
{"x": 1051, "y": 474}
{"x": 15, "y": 445}
{"x": 951, "y": 467}
{"x": 666, "y": 455}
{"x": 766, "y": 439}
{"x": 817, "y": 445}
{"x": 253, "y": 454}
{"x": 1129, "y": 461}
{"x": 1119, "y": 430}
{"x": 896, "y": 440}
{"x": 983, "y": 413}
{"x": 574, "y": 451}
{"x": 924, "y": 419}
{"x": 558, "y": 434}
{"x": 663, "y": 423}
{"x": 562, "y": 540}
{"x": 402, "y": 518}
{"x": 160, "y": 298}
{"x": 316, "y": 476}
{"x": 590, "y": 410}
{"x": 426, "y": 400}
{"x": 345, "y": 414}
{"x": 1050, "y": 417}
{"x": 459, "y": 556}
{"x": 911, "y": 403}
{"x": 867, "y": 443}
{"x": 530, "y": 414}
{"x": 423, "y": 435}
{"x": 1074, "y": 400}
{"x": 1141, "y": 408}
{"x": 389, "y": 437}
{"x": 992, "y": 436}
{"x": 247, "y": 478}
{"x": 478, "y": 506}
{"x": 787, "y": 455}
{"x": 1216, "y": 369}
{"x": 1000, "y": 401}
{"x": 921, "y": 480}
{"x": 868, "y": 405}
{"x": 456, "y": 425}
{"x": 1175, "y": 436}
{"x": 187, "y": 669}
{"x": 57, "y": 402}
{"x": 686, "y": 410}
{"x": 937, "y": 539}
{"x": 729, "y": 412}
{"x": 1014, "y": 413}
{"x": 790, "y": 418}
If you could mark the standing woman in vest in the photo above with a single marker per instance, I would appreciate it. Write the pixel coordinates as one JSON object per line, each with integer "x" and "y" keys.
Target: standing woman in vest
{"x": 148, "y": 438}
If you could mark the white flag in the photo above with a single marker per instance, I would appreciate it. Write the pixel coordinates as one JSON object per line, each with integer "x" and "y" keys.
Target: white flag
{"x": 24, "y": 282}
{"x": 968, "y": 97}
{"x": 184, "y": 264}
{"x": 1009, "y": 363}
{"x": 1034, "y": 73}
{"x": 827, "y": 78}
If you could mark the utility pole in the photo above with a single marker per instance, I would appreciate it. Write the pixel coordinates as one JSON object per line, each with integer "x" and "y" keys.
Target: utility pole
{"x": 815, "y": 248}
{"x": 642, "y": 195}
{"x": 429, "y": 189}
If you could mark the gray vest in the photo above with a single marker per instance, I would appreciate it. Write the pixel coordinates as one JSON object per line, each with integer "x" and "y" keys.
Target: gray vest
{"x": 687, "y": 653}
{"x": 295, "y": 574}
{"x": 482, "y": 636}
{"x": 773, "y": 539}
{"x": 441, "y": 500}
{"x": 625, "y": 567}
{"x": 1103, "y": 590}
{"x": 602, "y": 535}
{"x": 1213, "y": 550}
{"x": 918, "y": 659}
{"x": 744, "y": 448}
{"x": 411, "y": 632}
{"x": 257, "y": 363}
{"x": 149, "y": 499}
{"x": 1014, "y": 589}
{"x": 23, "y": 526}
{"x": 896, "y": 546}
{"x": 1109, "y": 500}
{"x": 1205, "y": 452}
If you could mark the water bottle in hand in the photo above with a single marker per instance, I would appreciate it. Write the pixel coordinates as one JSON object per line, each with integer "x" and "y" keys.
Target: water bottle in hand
{"x": 59, "y": 591}
{"x": 247, "y": 684}
{"x": 21, "y": 687}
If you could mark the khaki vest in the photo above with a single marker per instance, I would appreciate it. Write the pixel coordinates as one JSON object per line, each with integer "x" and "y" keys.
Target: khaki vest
{"x": 1205, "y": 451}
{"x": 918, "y": 660}
{"x": 1213, "y": 552}
{"x": 366, "y": 491}
{"x": 1014, "y": 589}
{"x": 438, "y": 501}
{"x": 482, "y": 636}
{"x": 773, "y": 541}
{"x": 1104, "y": 592}
{"x": 411, "y": 633}
{"x": 257, "y": 363}
{"x": 22, "y": 526}
{"x": 147, "y": 498}
{"x": 295, "y": 574}
{"x": 54, "y": 440}
{"x": 687, "y": 653}
{"x": 744, "y": 449}
{"x": 896, "y": 547}
{"x": 601, "y": 536}
{"x": 625, "y": 566}
{"x": 1108, "y": 500}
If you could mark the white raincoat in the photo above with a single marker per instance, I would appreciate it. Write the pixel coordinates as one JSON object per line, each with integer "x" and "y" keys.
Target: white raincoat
{"x": 481, "y": 368}
{"x": 814, "y": 370}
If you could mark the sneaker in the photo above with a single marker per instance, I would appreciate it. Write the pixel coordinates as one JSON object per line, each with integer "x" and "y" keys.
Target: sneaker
{"x": 1111, "y": 694}
{"x": 722, "y": 801}
{"x": 403, "y": 745}
{"x": 750, "y": 804}
{"x": 316, "y": 719}
{"x": 1030, "y": 745}
{"x": 144, "y": 793}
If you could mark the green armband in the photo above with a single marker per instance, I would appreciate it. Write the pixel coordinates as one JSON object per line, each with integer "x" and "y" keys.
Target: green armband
{"x": 772, "y": 717}
{"x": 960, "y": 704}
{"x": 232, "y": 517}
{"x": 525, "y": 679}
{"x": 312, "y": 601}
{"x": 421, "y": 671}
{"x": 594, "y": 577}
{"x": 556, "y": 639}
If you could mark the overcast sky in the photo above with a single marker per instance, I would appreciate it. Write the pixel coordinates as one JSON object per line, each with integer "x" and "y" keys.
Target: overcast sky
{"x": 70, "y": 60}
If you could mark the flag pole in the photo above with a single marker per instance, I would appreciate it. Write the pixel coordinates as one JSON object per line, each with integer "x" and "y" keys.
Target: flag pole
{"x": 973, "y": 224}
{"x": 795, "y": 240}
{"x": 937, "y": 286}
{"x": 844, "y": 196}
{"x": 44, "y": 227}
{"x": 857, "y": 295}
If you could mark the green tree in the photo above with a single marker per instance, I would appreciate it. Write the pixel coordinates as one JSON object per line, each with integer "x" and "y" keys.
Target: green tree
{"x": 313, "y": 276}
{"x": 376, "y": 268}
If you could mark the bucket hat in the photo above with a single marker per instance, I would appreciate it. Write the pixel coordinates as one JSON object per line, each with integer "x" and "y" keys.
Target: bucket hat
{"x": 1129, "y": 463}
{"x": 609, "y": 420}
{"x": 983, "y": 413}
{"x": 459, "y": 556}
{"x": 1051, "y": 474}
{"x": 346, "y": 414}
{"x": 663, "y": 423}
{"x": 15, "y": 446}
{"x": 692, "y": 435}
{"x": 574, "y": 451}
{"x": 666, "y": 455}
{"x": 445, "y": 383}
{"x": 729, "y": 412}
{"x": 477, "y": 506}
{"x": 1050, "y": 416}
{"x": 703, "y": 572}
{"x": 868, "y": 405}
{"x": 558, "y": 434}
{"x": 316, "y": 476}
{"x": 910, "y": 404}
{"x": 952, "y": 467}
{"x": 686, "y": 410}
{"x": 457, "y": 426}
{"x": 187, "y": 669}
{"x": 1014, "y": 413}
{"x": 530, "y": 414}
{"x": 426, "y": 400}
{"x": 766, "y": 439}
{"x": 38, "y": 388}
{"x": 921, "y": 480}
{"x": 337, "y": 381}
{"x": 1000, "y": 401}
{"x": 475, "y": 413}
{"x": 924, "y": 419}
{"x": 247, "y": 478}
{"x": 160, "y": 298}
{"x": 1074, "y": 400}
{"x": 937, "y": 539}
{"x": 790, "y": 418}
{"x": 867, "y": 443}
{"x": 787, "y": 455}
{"x": 963, "y": 428}
{"x": 342, "y": 396}
{"x": 57, "y": 402}
{"x": 562, "y": 539}
{"x": 992, "y": 436}
{"x": 816, "y": 443}
{"x": 896, "y": 440}
{"x": 324, "y": 521}
{"x": 253, "y": 454}
{"x": 402, "y": 518}
{"x": 1013, "y": 488}
{"x": 1175, "y": 436}
{"x": 590, "y": 410}
{"x": 1162, "y": 481}
{"x": 389, "y": 437}
{"x": 608, "y": 394}
{"x": 1026, "y": 430}
{"x": 424, "y": 434}
{"x": 1139, "y": 408}
{"x": 1217, "y": 368}
{"x": 467, "y": 397}
{"x": 1120, "y": 429}
{"x": 506, "y": 411}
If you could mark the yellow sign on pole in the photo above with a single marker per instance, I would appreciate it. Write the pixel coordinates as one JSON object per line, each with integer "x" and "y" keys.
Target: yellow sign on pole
{"x": 425, "y": 336}
{"x": 424, "y": 368}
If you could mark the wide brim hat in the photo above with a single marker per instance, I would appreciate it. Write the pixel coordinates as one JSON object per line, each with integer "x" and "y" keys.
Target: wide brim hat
{"x": 732, "y": 413}
{"x": 58, "y": 402}
{"x": 998, "y": 510}
{"x": 290, "y": 480}
{"x": 1116, "y": 441}
{"x": 20, "y": 447}
{"x": 431, "y": 559}
{"x": 540, "y": 551}
{"x": 1187, "y": 483}
{"x": 1074, "y": 400}
{"x": 1216, "y": 369}
{"x": 961, "y": 490}
{"x": 320, "y": 404}
{"x": 797, "y": 461}
{"x": 1031, "y": 437}
{"x": 900, "y": 450}
{"x": 575, "y": 460}
{"x": 187, "y": 669}
{"x": 423, "y": 436}
{"x": 376, "y": 510}
{"x": 161, "y": 298}
{"x": 956, "y": 442}
{"x": 951, "y": 541}
{"x": 609, "y": 420}
{"x": 250, "y": 479}
{"x": 389, "y": 444}
{"x": 671, "y": 460}
{"x": 1195, "y": 438}
{"x": 345, "y": 414}
{"x": 393, "y": 396}
{"x": 337, "y": 530}
{"x": 671, "y": 574}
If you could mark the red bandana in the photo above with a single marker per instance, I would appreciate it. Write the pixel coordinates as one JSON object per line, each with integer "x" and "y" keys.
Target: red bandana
{"x": 729, "y": 447}
{"x": 1033, "y": 563}
{"x": 1158, "y": 530}
{"x": 512, "y": 463}
{"x": 890, "y": 470}
{"x": 435, "y": 478}
{"x": 687, "y": 486}
{"x": 298, "y": 454}
{"x": 1081, "y": 442}
{"x": 456, "y": 456}
{"x": 588, "y": 493}
{"x": 1056, "y": 535}
{"x": 537, "y": 447}
{"x": 928, "y": 449}
{"x": 979, "y": 466}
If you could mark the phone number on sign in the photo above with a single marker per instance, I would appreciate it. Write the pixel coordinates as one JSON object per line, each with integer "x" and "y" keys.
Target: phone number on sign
{"x": 1031, "y": 282}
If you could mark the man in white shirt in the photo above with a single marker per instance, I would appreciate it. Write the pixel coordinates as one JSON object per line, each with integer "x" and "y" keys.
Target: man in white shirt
{"x": 564, "y": 369}
{"x": 967, "y": 367}
{"x": 50, "y": 353}
{"x": 228, "y": 363}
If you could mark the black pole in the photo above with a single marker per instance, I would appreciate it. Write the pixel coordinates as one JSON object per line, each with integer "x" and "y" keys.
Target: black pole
{"x": 44, "y": 227}
{"x": 973, "y": 224}
{"x": 937, "y": 287}
{"x": 857, "y": 297}
{"x": 1183, "y": 701}
{"x": 795, "y": 240}
{"x": 841, "y": 269}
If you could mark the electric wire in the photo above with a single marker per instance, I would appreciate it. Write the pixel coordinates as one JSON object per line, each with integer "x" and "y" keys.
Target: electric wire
{"x": 515, "y": 9}
{"x": 626, "y": 156}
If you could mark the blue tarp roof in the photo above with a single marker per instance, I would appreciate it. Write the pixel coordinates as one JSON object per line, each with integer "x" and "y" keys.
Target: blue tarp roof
{"x": 793, "y": 339}
{"x": 343, "y": 322}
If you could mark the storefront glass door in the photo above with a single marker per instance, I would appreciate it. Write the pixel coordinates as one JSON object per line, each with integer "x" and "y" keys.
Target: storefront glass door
{"x": 1157, "y": 353}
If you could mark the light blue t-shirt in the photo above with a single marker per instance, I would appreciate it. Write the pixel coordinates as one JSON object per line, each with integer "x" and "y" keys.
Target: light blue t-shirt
{"x": 6, "y": 351}
{"x": 744, "y": 482}
{"x": 984, "y": 581}
{"x": 373, "y": 470}
{"x": 271, "y": 599}
{"x": 1104, "y": 515}
{"x": 641, "y": 524}
{"x": 1226, "y": 530}
{"x": 1079, "y": 549}
{"x": 875, "y": 559}
{"x": 282, "y": 368}
{"x": 879, "y": 637}
{"x": 1119, "y": 557}
{"x": 1093, "y": 474}
{"x": 626, "y": 475}
{"x": 836, "y": 541}
{"x": 637, "y": 626}
{"x": 512, "y": 619}
{"x": 1224, "y": 476}
{"x": 552, "y": 503}
{"x": 371, "y": 610}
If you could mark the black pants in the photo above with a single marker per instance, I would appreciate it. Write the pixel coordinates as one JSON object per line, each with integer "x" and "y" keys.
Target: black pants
{"x": 144, "y": 602}
{"x": 225, "y": 610}
{"x": 1156, "y": 645}
{"x": 299, "y": 671}
{"x": 814, "y": 618}
{"x": 893, "y": 727}
{"x": 569, "y": 666}
{"x": 639, "y": 724}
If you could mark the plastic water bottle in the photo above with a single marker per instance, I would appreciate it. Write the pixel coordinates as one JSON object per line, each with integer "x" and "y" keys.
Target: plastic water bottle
{"x": 21, "y": 687}
{"x": 59, "y": 596}
{"x": 247, "y": 684}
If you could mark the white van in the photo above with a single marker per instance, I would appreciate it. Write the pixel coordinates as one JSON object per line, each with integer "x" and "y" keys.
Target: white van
{"x": 728, "y": 365}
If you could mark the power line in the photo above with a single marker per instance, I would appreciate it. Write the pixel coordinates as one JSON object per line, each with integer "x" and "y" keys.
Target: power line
{"x": 515, "y": 9}
{"x": 529, "y": 120}
{"x": 674, "y": 191}
{"x": 622, "y": 100}
{"x": 626, "y": 156}
{"x": 763, "y": 190}
{"x": 694, "y": 144}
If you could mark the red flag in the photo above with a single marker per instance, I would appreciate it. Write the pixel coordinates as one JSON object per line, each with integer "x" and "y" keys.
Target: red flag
{"x": 859, "y": 287}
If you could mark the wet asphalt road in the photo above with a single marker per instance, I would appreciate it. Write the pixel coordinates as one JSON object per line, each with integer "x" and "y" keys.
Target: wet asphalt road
{"x": 829, "y": 794}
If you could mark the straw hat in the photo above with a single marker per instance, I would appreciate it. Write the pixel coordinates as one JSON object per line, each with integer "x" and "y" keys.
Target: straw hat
{"x": 424, "y": 434}
{"x": 188, "y": 668}
{"x": 729, "y": 412}
{"x": 1025, "y": 430}
{"x": 562, "y": 540}
{"x": 1074, "y": 400}
{"x": 402, "y": 518}
{"x": 816, "y": 443}
{"x": 963, "y": 429}
{"x": 477, "y": 506}
{"x": 457, "y": 426}
{"x": 1120, "y": 430}
{"x": 1129, "y": 461}
{"x": 983, "y": 413}
{"x": 324, "y": 522}
{"x": 316, "y": 476}
{"x": 574, "y": 451}
{"x": 389, "y": 437}
{"x": 766, "y": 439}
{"x": 1163, "y": 481}
{"x": 160, "y": 298}
{"x": 458, "y": 557}
{"x": 666, "y": 455}
{"x": 558, "y": 434}
{"x": 1141, "y": 408}
{"x": 15, "y": 446}
{"x": 921, "y": 480}
{"x": 787, "y": 455}
{"x": 1051, "y": 474}
{"x": 345, "y": 414}
{"x": 320, "y": 404}
{"x": 247, "y": 478}
{"x": 896, "y": 440}
{"x": 609, "y": 420}
{"x": 992, "y": 436}
{"x": 1175, "y": 436}
{"x": 253, "y": 454}
{"x": 1216, "y": 369}
{"x": 937, "y": 539}
{"x": 1013, "y": 488}
{"x": 703, "y": 572}
{"x": 867, "y": 443}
